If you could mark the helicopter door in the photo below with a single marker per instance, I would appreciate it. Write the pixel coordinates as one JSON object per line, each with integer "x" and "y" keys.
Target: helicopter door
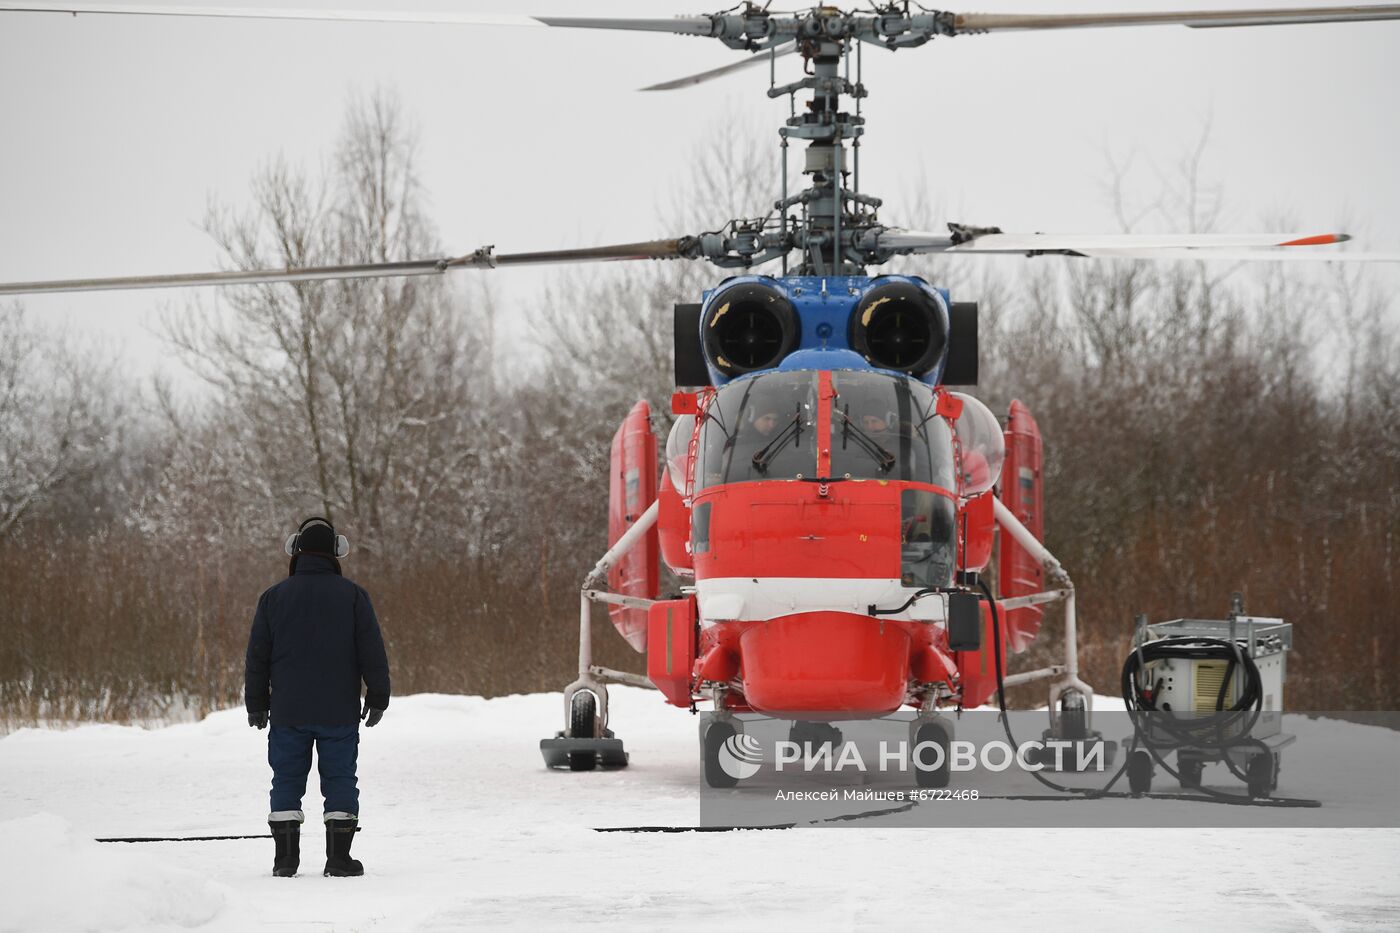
{"x": 1020, "y": 574}
{"x": 632, "y": 488}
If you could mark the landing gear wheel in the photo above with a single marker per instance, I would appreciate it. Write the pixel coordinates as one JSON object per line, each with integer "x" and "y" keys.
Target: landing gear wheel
{"x": 1074, "y": 716}
{"x": 1140, "y": 772}
{"x": 583, "y": 724}
{"x": 933, "y": 734}
{"x": 711, "y": 746}
{"x": 815, "y": 734}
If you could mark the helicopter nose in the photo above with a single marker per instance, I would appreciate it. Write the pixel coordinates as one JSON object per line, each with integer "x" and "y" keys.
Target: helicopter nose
{"x": 825, "y": 661}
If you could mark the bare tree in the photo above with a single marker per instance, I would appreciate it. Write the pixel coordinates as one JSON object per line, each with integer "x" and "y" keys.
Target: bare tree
{"x": 57, "y": 416}
{"x": 354, "y": 399}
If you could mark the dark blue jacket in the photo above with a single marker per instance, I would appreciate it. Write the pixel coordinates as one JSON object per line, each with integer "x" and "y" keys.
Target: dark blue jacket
{"x": 314, "y": 639}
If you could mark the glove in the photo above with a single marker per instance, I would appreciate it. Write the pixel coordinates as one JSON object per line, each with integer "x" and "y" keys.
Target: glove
{"x": 371, "y": 716}
{"x": 258, "y": 720}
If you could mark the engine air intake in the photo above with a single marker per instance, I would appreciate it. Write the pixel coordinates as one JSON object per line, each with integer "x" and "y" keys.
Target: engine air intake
{"x": 748, "y": 327}
{"x": 900, "y": 326}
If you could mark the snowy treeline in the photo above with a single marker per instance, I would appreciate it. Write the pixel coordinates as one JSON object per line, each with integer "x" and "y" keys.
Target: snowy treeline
{"x": 1207, "y": 430}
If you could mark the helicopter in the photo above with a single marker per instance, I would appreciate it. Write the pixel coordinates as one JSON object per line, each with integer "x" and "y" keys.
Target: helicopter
{"x": 830, "y": 494}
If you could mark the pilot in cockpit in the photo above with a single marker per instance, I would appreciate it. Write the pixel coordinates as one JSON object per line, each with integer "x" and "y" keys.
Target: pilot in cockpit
{"x": 765, "y": 423}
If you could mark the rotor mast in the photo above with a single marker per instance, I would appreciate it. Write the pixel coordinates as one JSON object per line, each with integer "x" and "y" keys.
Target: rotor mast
{"x": 831, "y": 213}
{"x": 831, "y": 227}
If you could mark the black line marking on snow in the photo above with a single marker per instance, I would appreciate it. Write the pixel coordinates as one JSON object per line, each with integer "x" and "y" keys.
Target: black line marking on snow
{"x": 687, "y": 829}
{"x": 843, "y": 818}
{"x": 185, "y": 838}
{"x": 180, "y": 838}
{"x": 848, "y": 817}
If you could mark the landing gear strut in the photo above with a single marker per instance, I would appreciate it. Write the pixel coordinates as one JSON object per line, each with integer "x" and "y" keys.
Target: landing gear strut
{"x": 587, "y": 743}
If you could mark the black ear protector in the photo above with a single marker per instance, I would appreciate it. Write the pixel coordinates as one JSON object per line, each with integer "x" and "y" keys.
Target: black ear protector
{"x": 342, "y": 543}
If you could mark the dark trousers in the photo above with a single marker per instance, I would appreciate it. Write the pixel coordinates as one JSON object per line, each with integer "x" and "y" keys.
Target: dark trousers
{"x": 289, "y": 753}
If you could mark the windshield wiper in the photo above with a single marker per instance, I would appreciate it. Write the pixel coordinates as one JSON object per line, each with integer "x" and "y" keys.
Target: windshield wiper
{"x": 790, "y": 432}
{"x": 864, "y": 441}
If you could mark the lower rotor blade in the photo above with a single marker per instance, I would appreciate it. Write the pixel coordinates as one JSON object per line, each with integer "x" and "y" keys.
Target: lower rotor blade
{"x": 651, "y": 249}
{"x": 1088, "y": 242}
{"x": 1196, "y": 19}
{"x": 1261, "y": 254}
{"x": 757, "y": 58}
{"x": 992, "y": 240}
{"x": 1267, "y": 247}
{"x": 249, "y": 277}
{"x": 481, "y": 259}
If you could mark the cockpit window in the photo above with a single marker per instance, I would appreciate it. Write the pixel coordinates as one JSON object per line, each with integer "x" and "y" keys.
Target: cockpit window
{"x": 763, "y": 427}
{"x": 885, "y": 427}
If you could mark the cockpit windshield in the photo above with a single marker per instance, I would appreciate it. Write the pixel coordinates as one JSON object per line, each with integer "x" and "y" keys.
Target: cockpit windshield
{"x": 882, "y": 427}
{"x": 886, "y": 427}
{"x": 763, "y": 427}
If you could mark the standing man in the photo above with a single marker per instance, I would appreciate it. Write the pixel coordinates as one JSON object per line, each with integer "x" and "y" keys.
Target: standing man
{"x": 314, "y": 639}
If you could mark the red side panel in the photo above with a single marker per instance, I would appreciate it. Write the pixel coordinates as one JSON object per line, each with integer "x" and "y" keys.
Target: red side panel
{"x": 979, "y": 527}
{"x": 1019, "y": 574}
{"x": 631, "y": 490}
{"x": 671, "y": 641}
{"x": 674, "y": 526}
{"x": 978, "y": 668}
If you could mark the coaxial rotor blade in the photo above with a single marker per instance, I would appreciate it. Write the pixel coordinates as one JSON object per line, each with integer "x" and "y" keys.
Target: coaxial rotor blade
{"x": 239, "y": 277}
{"x": 992, "y": 240}
{"x": 1262, "y": 246}
{"x": 651, "y": 249}
{"x": 684, "y": 25}
{"x": 1258, "y": 254}
{"x": 758, "y": 58}
{"x": 1085, "y": 242}
{"x": 964, "y": 23}
{"x": 481, "y": 259}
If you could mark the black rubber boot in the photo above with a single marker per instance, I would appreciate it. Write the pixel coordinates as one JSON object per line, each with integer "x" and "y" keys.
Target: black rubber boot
{"x": 287, "y": 835}
{"x": 339, "y": 864}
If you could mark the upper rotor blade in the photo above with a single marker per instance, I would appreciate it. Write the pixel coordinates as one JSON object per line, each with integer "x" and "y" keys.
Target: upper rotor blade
{"x": 689, "y": 25}
{"x": 757, "y": 58}
{"x": 1196, "y": 19}
{"x": 481, "y": 259}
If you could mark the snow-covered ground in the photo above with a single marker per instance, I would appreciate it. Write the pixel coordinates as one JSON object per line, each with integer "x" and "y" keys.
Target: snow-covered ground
{"x": 463, "y": 827}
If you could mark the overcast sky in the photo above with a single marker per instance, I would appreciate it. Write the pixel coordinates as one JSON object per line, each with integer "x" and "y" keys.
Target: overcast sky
{"x": 115, "y": 131}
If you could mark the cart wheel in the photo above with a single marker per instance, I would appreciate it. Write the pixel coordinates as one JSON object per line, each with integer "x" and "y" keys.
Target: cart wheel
{"x": 1190, "y": 772}
{"x": 1140, "y": 772}
{"x": 715, "y": 736}
{"x": 934, "y": 734}
{"x": 1261, "y": 774}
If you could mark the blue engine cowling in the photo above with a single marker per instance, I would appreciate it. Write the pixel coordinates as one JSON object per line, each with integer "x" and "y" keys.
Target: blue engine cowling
{"x": 895, "y": 323}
